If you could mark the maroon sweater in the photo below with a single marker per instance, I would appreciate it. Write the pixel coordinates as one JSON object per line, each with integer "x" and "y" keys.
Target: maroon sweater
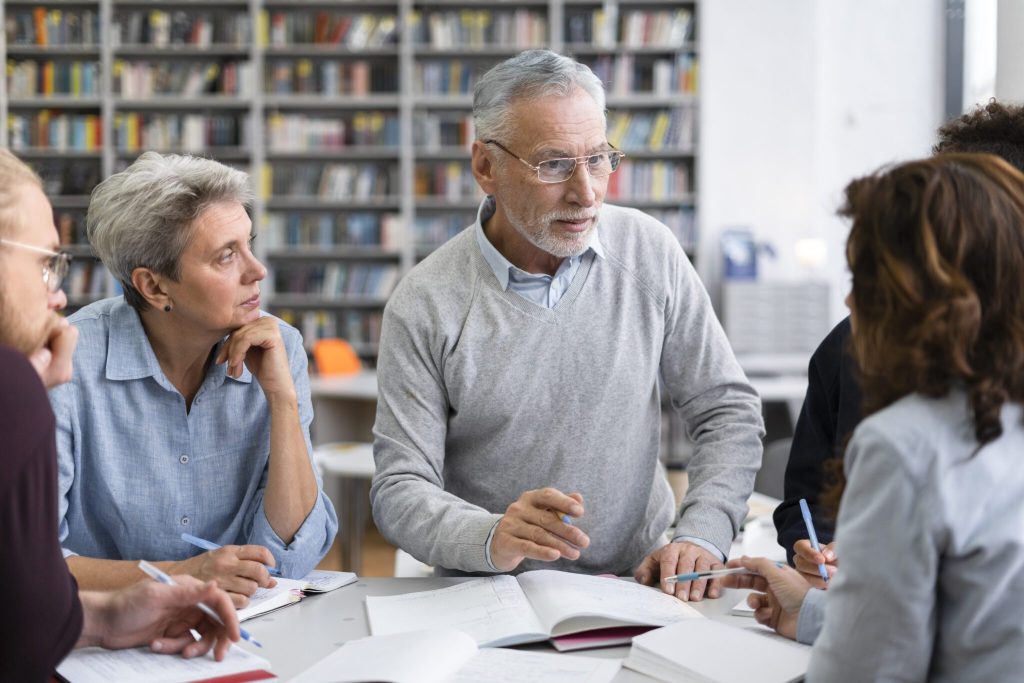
{"x": 42, "y": 616}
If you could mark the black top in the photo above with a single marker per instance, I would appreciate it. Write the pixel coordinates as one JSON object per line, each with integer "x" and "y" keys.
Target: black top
{"x": 42, "y": 614}
{"x": 831, "y": 411}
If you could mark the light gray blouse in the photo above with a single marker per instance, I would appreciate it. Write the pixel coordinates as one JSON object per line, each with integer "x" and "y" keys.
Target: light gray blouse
{"x": 930, "y": 543}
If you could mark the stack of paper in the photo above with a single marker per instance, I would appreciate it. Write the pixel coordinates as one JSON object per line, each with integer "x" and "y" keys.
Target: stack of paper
{"x": 707, "y": 650}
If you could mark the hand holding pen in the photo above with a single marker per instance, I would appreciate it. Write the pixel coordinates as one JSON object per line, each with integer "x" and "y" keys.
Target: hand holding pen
{"x": 815, "y": 562}
{"x": 210, "y": 545}
{"x": 535, "y": 526}
{"x": 160, "y": 617}
{"x": 782, "y": 591}
{"x": 238, "y": 569}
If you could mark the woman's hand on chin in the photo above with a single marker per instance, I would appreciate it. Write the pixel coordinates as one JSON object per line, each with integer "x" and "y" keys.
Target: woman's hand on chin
{"x": 259, "y": 345}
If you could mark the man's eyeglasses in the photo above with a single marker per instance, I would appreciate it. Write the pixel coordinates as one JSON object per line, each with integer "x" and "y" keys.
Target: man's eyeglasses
{"x": 56, "y": 267}
{"x": 598, "y": 164}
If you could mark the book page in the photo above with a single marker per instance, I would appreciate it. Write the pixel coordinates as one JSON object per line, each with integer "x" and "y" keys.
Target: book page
{"x": 286, "y": 592}
{"x": 414, "y": 657}
{"x": 494, "y": 611}
{"x": 571, "y": 603}
{"x": 96, "y": 665}
{"x": 497, "y": 665}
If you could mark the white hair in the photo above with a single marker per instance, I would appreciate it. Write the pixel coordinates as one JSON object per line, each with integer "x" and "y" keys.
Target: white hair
{"x": 530, "y": 74}
{"x": 141, "y": 217}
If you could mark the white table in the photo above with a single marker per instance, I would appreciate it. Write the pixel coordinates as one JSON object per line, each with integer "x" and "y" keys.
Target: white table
{"x": 296, "y": 637}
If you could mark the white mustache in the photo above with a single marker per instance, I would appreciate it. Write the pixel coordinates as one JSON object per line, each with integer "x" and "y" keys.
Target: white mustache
{"x": 565, "y": 217}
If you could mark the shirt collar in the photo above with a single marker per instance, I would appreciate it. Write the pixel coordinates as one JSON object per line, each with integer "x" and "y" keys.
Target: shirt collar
{"x": 130, "y": 355}
{"x": 495, "y": 259}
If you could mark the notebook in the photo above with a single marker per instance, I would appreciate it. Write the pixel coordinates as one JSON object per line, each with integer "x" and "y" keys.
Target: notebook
{"x": 322, "y": 581}
{"x": 290, "y": 591}
{"x": 96, "y": 665}
{"x": 450, "y": 656}
{"x": 714, "y": 652}
{"x": 531, "y": 607}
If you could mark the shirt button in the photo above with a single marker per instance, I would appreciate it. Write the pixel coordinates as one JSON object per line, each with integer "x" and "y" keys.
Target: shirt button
{"x": 183, "y": 459}
{"x": 185, "y": 520}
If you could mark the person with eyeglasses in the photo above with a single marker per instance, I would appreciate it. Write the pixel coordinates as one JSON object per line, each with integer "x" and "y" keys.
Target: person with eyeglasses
{"x": 45, "y": 615}
{"x": 519, "y": 410}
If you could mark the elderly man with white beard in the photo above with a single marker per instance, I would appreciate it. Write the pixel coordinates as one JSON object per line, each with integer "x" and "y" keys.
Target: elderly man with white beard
{"x": 518, "y": 421}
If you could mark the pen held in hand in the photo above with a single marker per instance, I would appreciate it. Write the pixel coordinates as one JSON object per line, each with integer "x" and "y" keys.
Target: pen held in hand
{"x": 210, "y": 545}
{"x": 711, "y": 574}
{"x": 806, "y": 512}
{"x": 162, "y": 577}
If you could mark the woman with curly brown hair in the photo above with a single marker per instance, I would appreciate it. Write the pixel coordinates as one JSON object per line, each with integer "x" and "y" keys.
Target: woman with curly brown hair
{"x": 931, "y": 522}
{"x": 832, "y": 407}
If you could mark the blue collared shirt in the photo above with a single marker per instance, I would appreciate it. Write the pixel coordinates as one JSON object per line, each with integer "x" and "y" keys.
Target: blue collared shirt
{"x": 542, "y": 289}
{"x": 137, "y": 470}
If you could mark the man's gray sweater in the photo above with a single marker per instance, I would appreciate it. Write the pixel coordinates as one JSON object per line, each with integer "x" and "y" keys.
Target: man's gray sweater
{"x": 484, "y": 395}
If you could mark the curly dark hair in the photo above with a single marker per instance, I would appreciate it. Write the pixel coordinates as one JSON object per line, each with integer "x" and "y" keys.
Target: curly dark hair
{"x": 994, "y": 128}
{"x": 937, "y": 256}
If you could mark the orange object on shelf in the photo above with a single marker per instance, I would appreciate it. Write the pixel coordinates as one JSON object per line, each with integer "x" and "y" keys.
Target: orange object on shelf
{"x": 335, "y": 357}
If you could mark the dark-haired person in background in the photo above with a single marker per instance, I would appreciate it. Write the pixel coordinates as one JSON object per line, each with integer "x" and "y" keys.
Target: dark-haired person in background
{"x": 45, "y": 616}
{"x": 832, "y": 407}
{"x": 931, "y": 522}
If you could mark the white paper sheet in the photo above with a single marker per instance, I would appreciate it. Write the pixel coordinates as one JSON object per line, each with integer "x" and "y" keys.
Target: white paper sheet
{"x": 420, "y": 657}
{"x": 498, "y": 665}
{"x": 448, "y": 655}
{"x": 96, "y": 665}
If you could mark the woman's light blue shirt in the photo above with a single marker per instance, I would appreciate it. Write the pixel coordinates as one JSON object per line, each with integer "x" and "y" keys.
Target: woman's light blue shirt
{"x": 137, "y": 470}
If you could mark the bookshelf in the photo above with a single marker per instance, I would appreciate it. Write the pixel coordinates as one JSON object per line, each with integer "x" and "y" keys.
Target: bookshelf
{"x": 353, "y": 119}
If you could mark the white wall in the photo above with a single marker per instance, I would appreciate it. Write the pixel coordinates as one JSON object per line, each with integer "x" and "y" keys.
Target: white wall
{"x": 797, "y": 98}
{"x": 1010, "y": 52}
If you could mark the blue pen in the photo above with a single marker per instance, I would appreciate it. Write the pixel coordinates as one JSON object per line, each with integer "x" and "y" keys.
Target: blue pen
{"x": 157, "y": 574}
{"x": 806, "y": 512}
{"x": 567, "y": 519}
{"x": 712, "y": 573}
{"x": 210, "y": 545}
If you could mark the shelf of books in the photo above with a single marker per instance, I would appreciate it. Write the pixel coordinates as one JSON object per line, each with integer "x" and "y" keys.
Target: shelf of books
{"x": 354, "y": 120}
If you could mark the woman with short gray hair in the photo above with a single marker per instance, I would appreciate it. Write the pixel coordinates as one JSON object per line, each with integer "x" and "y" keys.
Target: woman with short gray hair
{"x": 189, "y": 411}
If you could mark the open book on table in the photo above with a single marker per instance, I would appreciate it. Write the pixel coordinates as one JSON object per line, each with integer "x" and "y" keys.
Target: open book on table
{"x": 447, "y": 655}
{"x": 531, "y": 607}
{"x": 715, "y": 652}
{"x": 96, "y": 665}
{"x": 289, "y": 591}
